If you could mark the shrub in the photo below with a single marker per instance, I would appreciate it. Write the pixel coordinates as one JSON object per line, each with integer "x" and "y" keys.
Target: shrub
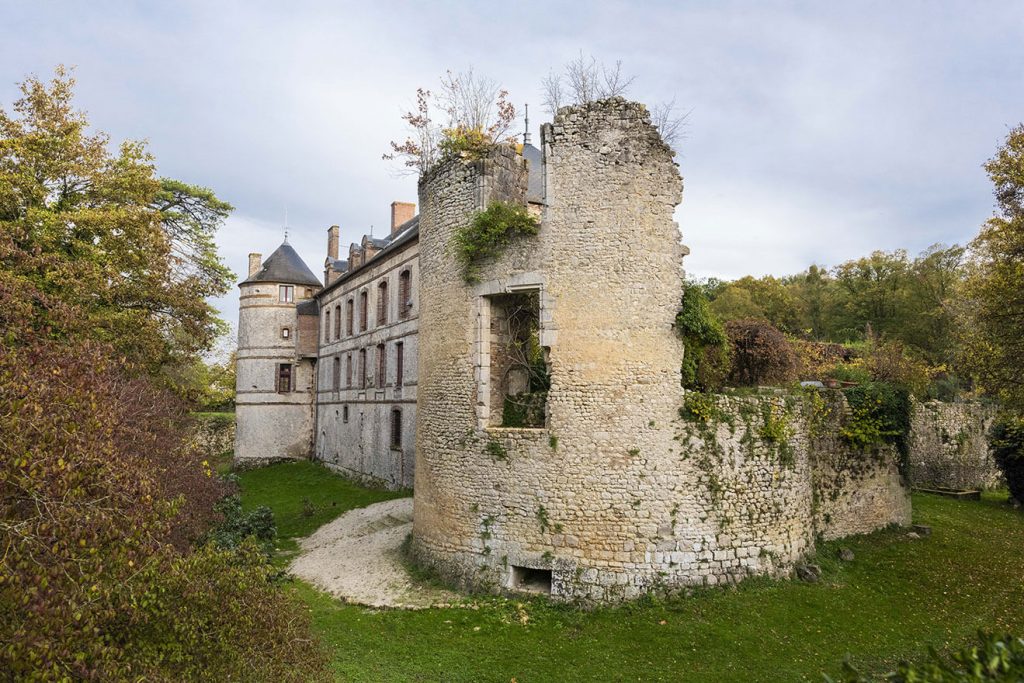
{"x": 239, "y": 526}
{"x": 881, "y": 413}
{"x": 760, "y": 353}
{"x": 489, "y": 232}
{"x": 705, "y": 344}
{"x": 99, "y": 498}
{"x": 1006, "y": 443}
{"x": 699, "y": 407}
{"x": 991, "y": 659}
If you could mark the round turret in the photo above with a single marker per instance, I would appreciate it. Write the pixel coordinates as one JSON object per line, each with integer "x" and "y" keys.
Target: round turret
{"x": 276, "y": 355}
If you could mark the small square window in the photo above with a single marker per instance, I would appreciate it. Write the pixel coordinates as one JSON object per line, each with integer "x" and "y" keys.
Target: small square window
{"x": 286, "y": 333}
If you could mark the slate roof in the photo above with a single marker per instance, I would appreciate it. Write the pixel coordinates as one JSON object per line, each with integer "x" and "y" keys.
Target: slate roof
{"x": 535, "y": 174}
{"x": 311, "y": 307}
{"x": 284, "y": 265}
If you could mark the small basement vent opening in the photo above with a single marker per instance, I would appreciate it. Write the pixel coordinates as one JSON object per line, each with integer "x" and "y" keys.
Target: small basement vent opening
{"x": 529, "y": 580}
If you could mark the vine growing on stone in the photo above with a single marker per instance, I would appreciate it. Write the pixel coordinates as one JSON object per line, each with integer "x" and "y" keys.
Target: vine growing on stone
{"x": 489, "y": 232}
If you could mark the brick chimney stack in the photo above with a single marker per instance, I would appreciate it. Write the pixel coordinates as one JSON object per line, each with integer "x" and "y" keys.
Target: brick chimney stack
{"x": 255, "y": 261}
{"x": 332, "y": 242}
{"x": 401, "y": 212}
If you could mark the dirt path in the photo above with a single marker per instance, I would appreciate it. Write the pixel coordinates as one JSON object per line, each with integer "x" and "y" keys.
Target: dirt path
{"x": 356, "y": 558}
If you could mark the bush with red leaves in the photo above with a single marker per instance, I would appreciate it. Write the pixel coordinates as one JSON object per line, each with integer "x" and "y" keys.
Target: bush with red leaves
{"x": 760, "y": 354}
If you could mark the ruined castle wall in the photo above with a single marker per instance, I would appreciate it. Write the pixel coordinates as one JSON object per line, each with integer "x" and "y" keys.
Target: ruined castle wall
{"x": 617, "y": 494}
{"x": 776, "y": 475}
{"x": 948, "y": 448}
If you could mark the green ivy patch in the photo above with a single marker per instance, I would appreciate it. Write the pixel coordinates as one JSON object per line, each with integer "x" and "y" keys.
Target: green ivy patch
{"x": 489, "y": 232}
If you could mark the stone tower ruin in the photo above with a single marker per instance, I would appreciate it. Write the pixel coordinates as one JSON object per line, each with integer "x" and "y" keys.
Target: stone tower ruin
{"x": 602, "y": 489}
{"x": 569, "y": 506}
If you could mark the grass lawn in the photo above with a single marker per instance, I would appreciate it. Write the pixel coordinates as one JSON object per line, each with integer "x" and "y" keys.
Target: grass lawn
{"x": 304, "y": 497}
{"x": 895, "y": 599}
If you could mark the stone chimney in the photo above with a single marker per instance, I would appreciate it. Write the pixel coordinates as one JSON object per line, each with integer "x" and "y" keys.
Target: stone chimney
{"x": 332, "y": 242}
{"x": 401, "y": 212}
{"x": 255, "y": 261}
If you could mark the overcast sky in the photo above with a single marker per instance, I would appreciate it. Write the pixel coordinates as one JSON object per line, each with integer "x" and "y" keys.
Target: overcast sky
{"x": 818, "y": 132}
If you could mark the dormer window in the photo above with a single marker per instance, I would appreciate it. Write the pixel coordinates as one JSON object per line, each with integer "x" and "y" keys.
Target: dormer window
{"x": 286, "y": 294}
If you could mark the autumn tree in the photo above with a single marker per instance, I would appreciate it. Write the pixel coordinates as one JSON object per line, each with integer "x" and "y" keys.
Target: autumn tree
{"x": 465, "y": 116}
{"x": 97, "y": 229}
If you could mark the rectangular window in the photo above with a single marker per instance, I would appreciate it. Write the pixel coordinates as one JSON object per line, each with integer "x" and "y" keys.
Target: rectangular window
{"x": 404, "y": 294}
{"x": 382, "y": 303}
{"x": 348, "y": 371}
{"x": 344, "y": 414}
{"x": 519, "y": 379}
{"x": 399, "y": 364}
{"x": 349, "y": 313}
{"x": 382, "y": 365}
{"x": 286, "y": 294}
{"x": 286, "y": 333}
{"x": 396, "y": 428}
{"x": 363, "y": 311}
{"x": 327, "y": 326}
{"x": 284, "y": 378}
{"x": 336, "y": 374}
{"x": 337, "y": 321}
{"x": 362, "y": 368}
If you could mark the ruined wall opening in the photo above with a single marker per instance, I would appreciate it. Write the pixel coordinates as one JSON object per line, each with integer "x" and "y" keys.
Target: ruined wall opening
{"x": 529, "y": 580}
{"x": 518, "y": 379}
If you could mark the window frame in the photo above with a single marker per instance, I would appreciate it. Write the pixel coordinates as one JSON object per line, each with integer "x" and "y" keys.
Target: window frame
{"x": 285, "y": 383}
{"x": 286, "y": 294}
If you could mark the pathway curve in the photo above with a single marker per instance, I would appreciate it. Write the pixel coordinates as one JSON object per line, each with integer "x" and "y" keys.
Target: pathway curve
{"x": 356, "y": 558}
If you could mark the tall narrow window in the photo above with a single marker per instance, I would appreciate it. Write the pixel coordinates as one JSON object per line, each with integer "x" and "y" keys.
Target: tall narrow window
{"x": 404, "y": 294}
{"x": 363, "y": 308}
{"x": 336, "y": 376}
{"x": 284, "y": 378}
{"x": 337, "y": 321}
{"x": 382, "y": 365}
{"x": 349, "y": 312}
{"x": 286, "y": 294}
{"x": 396, "y": 428}
{"x": 327, "y": 326}
{"x": 382, "y": 303}
{"x": 348, "y": 370}
{"x": 399, "y": 364}
{"x": 362, "y": 368}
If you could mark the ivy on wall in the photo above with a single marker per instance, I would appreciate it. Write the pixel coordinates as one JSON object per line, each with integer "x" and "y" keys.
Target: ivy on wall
{"x": 489, "y": 232}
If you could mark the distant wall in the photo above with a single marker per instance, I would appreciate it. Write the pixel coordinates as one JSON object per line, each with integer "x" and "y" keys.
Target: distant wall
{"x": 948, "y": 447}
{"x": 214, "y": 434}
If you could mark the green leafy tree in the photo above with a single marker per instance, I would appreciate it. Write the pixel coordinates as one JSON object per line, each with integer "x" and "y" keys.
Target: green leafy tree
{"x": 97, "y": 230}
{"x": 705, "y": 345}
{"x": 993, "y": 329}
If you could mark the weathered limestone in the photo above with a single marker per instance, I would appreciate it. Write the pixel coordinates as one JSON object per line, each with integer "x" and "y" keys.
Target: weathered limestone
{"x": 603, "y": 503}
{"x": 948, "y": 447}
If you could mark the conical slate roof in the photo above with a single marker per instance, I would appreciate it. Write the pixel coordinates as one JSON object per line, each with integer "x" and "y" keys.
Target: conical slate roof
{"x": 284, "y": 265}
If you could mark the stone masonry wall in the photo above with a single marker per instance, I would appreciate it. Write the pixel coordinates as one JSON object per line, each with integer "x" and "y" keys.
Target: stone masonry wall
{"x": 948, "y": 448}
{"x": 613, "y": 497}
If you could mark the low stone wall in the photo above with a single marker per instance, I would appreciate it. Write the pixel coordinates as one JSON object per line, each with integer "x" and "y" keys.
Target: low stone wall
{"x": 751, "y": 484}
{"x": 214, "y": 434}
{"x": 948, "y": 447}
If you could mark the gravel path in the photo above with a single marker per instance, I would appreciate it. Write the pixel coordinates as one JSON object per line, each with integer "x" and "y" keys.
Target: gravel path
{"x": 356, "y": 558}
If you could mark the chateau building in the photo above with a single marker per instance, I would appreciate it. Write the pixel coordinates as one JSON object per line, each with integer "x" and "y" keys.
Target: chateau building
{"x": 536, "y": 400}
